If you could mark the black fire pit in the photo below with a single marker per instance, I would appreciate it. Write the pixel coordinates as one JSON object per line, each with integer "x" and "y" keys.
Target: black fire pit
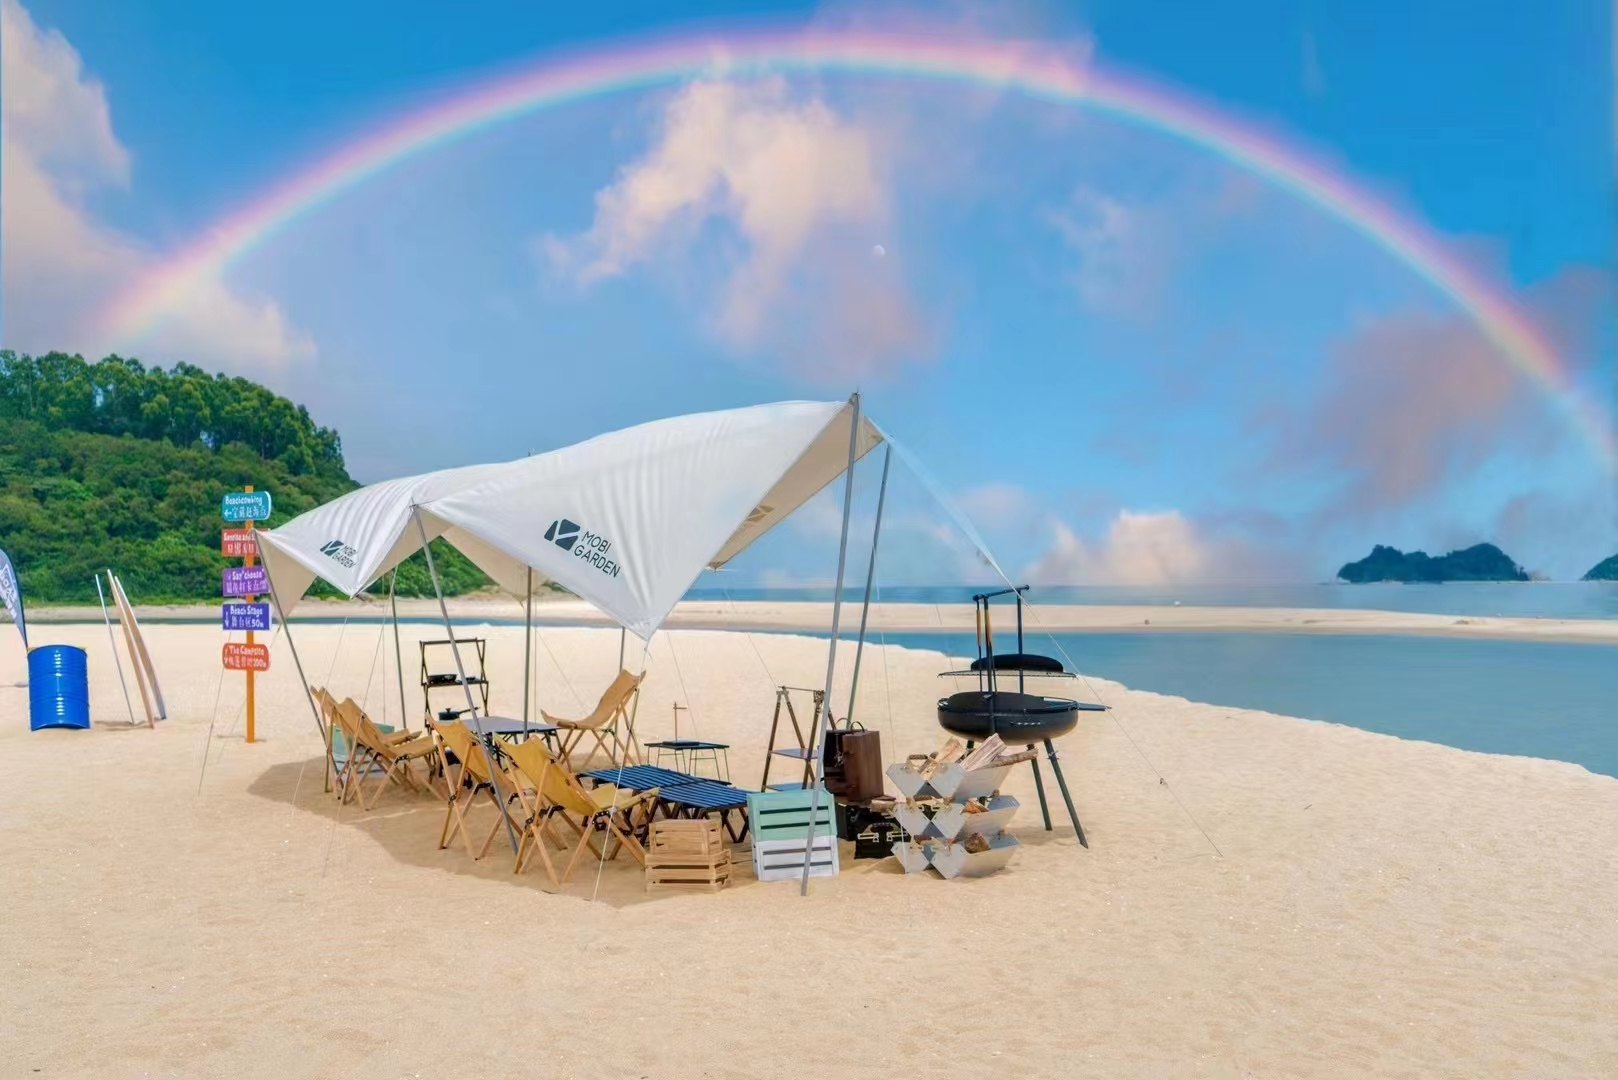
{"x": 1019, "y": 719}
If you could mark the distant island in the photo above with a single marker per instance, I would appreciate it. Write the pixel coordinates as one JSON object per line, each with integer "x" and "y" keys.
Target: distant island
{"x": 1605, "y": 570}
{"x": 1481, "y": 562}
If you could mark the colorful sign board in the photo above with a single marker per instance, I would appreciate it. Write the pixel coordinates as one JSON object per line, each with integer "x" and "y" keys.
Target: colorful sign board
{"x": 244, "y": 581}
{"x": 245, "y": 506}
{"x": 240, "y": 657}
{"x": 234, "y": 615}
{"x": 237, "y": 543}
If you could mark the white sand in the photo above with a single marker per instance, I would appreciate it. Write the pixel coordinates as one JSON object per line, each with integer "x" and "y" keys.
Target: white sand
{"x": 1378, "y": 907}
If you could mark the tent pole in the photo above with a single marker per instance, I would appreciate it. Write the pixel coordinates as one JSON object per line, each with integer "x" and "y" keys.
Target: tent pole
{"x": 398, "y": 656}
{"x": 460, "y": 670}
{"x": 286, "y": 628}
{"x": 129, "y": 704}
{"x": 819, "y": 741}
{"x": 527, "y": 646}
{"x": 870, "y": 576}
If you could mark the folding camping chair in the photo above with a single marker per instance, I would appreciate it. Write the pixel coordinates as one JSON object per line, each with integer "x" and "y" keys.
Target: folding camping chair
{"x": 559, "y": 794}
{"x": 340, "y": 748}
{"x": 613, "y": 708}
{"x": 454, "y": 737}
{"x": 371, "y": 749}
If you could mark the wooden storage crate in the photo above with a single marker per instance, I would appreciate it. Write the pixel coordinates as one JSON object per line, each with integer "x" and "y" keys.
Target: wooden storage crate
{"x": 781, "y": 830}
{"x": 687, "y": 855}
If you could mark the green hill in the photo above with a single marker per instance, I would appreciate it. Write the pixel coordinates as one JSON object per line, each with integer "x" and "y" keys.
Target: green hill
{"x": 116, "y": 465}
{"x": 1481, "y": 562}
{"x": 1605, "y": 570}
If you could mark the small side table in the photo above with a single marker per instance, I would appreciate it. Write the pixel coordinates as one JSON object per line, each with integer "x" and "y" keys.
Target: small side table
{"x": 687, "y": 752}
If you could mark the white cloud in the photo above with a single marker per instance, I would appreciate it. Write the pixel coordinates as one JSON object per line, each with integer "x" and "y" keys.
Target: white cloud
{"x": 58, "y": 264}
{"x": 1140, "y": 548}
{"x": 805, "y": 191}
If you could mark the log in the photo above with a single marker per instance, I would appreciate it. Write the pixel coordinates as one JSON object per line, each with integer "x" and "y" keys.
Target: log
{"x": 986, "y": 751}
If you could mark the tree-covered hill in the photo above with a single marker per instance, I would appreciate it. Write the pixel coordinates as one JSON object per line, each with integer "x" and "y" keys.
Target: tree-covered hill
{"x": 113, "y": 464}
{"x": 1605, "y": 570}
{"x": 1480, "y": 562}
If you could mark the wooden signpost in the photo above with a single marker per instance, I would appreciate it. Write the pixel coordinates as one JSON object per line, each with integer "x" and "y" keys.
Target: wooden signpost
{"x": 244, "y": 507}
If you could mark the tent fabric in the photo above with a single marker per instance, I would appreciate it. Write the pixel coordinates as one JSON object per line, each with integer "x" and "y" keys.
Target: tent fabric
{"x": 626, "y": 520}
{"x": 356, "y": 538}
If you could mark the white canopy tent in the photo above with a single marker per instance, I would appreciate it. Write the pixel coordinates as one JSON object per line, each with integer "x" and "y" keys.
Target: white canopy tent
{"x": 626, "y": 520}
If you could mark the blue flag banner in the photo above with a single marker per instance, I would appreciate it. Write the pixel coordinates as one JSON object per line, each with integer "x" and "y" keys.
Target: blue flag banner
{"x": 11, "y": 596}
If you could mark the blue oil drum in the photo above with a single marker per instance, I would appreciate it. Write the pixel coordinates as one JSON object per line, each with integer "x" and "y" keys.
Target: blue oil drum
{"x": 58, "y": 687}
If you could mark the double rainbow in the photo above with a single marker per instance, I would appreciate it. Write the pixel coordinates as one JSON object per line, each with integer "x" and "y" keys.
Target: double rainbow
{"x": 1033, "y": 72}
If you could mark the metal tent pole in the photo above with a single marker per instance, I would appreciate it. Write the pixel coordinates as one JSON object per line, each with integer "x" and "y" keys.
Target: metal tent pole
{"x": 460, "y": 670}
{"x": 286, "y": 628}
{"x": 398, "y": 656}
{"x": 129, "y": 704}
{"x": 527, "y": 647}
{"x": 817, "y": 744}
{"x": 870, "y": 577}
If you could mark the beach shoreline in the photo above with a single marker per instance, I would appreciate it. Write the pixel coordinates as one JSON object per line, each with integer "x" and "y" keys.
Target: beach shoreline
{"x": 901, "y": 617}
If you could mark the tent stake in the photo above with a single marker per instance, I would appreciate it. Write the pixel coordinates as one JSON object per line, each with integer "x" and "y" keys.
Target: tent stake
{"x": 870, "y": 577}
{"x": 286, "y": 628}
{"x": 460, "y": 670}
{"x": 819, "y": 741}
{"x": 112, "y": 641}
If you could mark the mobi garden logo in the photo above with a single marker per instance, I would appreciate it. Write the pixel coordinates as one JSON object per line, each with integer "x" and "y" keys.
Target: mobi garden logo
{"x": 339, "y": 552}
{"x": 593, "y": 548}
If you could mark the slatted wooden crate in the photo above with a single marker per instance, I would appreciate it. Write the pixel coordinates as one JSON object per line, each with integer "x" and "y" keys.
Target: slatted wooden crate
{"x": 687, "y": 855}
{"x": 780, "y": 824}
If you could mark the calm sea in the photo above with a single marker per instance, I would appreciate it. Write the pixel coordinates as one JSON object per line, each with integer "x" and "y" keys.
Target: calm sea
{"x": 1549, "y": 600}
{"x": 1539, "y": 699}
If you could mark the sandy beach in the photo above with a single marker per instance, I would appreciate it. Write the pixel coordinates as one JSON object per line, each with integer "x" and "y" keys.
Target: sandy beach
{"x": 911, "y": 617}
{"x": 1263, "y": 896}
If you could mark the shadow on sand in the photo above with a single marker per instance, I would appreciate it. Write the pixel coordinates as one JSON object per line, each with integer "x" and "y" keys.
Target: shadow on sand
{"x": 407, "y": 826}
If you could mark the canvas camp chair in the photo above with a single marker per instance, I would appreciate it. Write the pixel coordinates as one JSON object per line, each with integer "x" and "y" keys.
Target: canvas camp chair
{"x": 473, "y": 775}
{"x": 339, "y": 747}
{"x": 603, "y": 724}
{"x": 371, "y": 751}
{"x": 559, "y": 796}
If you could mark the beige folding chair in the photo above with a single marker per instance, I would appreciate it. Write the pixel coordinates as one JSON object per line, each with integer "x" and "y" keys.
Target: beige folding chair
{"x": 474, "y": 776}
{"x": 560, "y": 796}
{"x": 603, "y": 724}
{"x": 371, "y": 750}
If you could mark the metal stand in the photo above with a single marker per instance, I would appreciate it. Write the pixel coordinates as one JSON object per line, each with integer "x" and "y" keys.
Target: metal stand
{"x": 1050, "y": 752}
{"x": 985, "y": 636}
{"x": 783, "y": 698}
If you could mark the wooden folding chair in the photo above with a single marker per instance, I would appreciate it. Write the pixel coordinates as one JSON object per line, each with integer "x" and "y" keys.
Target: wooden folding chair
{"x": 603, "y": 724}
{"x": 528, "y": 763}
{"x": 338, "y": 741}
{"x": 474, "y": 775}
{"x": 560, "y": 796}
{"x": 371, "y": 750}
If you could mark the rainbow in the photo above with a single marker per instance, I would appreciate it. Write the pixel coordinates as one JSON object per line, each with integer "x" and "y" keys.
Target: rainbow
{"x": 1035, "y": 72}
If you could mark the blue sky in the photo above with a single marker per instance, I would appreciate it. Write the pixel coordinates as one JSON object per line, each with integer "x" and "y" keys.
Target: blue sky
{"x": 1135, "y": 362}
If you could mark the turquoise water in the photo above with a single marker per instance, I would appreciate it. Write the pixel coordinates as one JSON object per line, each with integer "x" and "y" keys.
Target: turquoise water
{"x": 1539, "y": 699}
{"x": 1549, "y": 600}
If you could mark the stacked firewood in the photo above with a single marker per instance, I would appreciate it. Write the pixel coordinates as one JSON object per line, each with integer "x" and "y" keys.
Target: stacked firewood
{"x": 953, "y": 811}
